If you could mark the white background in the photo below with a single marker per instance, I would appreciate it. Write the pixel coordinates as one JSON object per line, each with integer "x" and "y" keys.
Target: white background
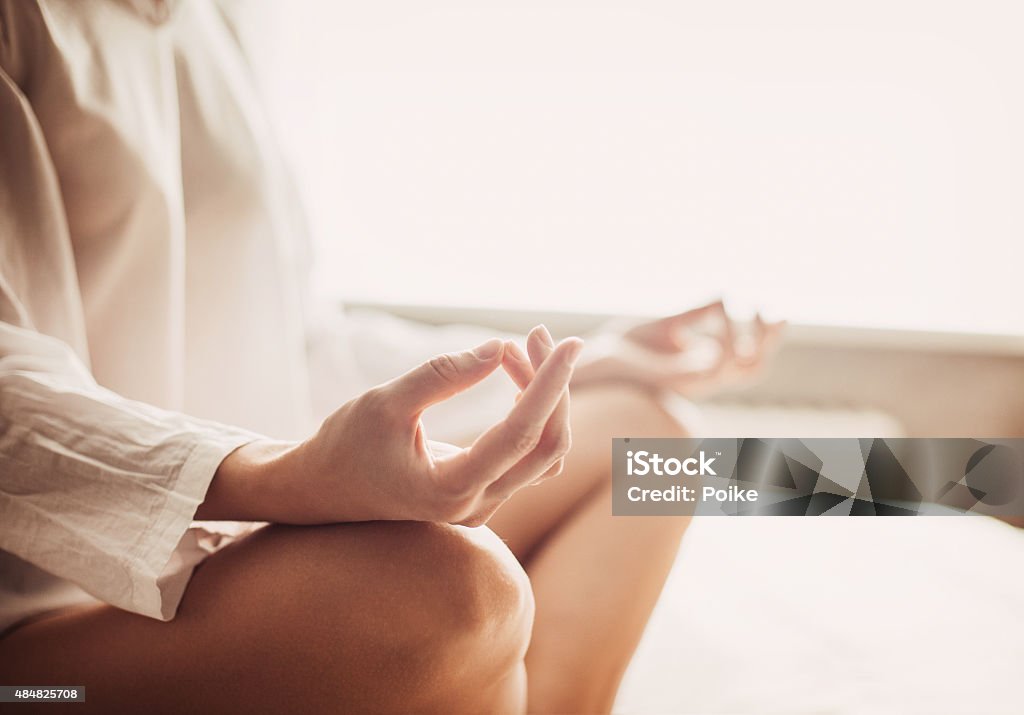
{"x": 839, "y": 163}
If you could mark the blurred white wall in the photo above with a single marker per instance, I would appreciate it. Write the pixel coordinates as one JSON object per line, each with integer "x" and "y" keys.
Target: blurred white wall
{"x": 838, "y": 163}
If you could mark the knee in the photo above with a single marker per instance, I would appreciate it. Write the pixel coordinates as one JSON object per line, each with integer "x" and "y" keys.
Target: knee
{"x": 470, "y": 612}
{"x": 433, "y": 618}
{"x": 479, "y": 593}
{"x": 413, "y": 617}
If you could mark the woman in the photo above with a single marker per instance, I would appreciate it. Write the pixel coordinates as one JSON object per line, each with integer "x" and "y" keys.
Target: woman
{"x": 155, "y": 368}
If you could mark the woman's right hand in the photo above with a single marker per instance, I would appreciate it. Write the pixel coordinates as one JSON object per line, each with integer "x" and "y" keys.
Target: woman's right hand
{"x": 371, "y": 459}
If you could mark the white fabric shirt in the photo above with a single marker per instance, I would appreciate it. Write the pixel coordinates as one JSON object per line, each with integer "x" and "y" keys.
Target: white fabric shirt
{"x": 151, "y": 307}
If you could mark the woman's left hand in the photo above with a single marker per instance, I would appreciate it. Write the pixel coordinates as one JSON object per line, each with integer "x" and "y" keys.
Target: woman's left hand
{"x": 691, "y": 353}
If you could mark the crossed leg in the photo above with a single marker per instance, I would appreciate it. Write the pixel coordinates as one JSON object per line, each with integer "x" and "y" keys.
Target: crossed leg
{"x": 374, "y": 617}
{"x": 394, "y": 616}
{"x": 595, "y": 577}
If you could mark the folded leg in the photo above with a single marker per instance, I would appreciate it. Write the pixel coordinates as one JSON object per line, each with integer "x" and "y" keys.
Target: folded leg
{"x": 372, "y": 617}
{"x": 595, "y": 577}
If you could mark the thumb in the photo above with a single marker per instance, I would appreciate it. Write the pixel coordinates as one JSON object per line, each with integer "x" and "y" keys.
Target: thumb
{"x": 445, "y": 375}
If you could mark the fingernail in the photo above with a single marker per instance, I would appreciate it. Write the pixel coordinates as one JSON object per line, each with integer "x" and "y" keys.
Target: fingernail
{"x": 545, "y": 335}
{"x": 489, "y": 349}
{"x": 573, "y": 353}
{"x": 516, "y": 351}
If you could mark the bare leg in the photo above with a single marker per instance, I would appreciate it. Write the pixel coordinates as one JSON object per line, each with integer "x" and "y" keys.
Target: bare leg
{"x": 595, "y": 577}
{"x": 393, "y": 617}
{"x": 374, "y": 617}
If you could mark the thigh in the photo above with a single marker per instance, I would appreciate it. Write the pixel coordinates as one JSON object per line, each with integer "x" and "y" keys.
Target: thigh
{"x": 289, "y": 618}
{"x": 599, "y": 413}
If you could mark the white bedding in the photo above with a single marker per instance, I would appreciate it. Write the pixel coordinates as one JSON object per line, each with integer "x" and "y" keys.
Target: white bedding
{"x": 837, "y": 615}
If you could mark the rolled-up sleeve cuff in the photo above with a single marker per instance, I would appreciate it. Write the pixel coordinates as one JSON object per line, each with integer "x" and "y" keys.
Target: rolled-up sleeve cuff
{"x": 169, "y": 552}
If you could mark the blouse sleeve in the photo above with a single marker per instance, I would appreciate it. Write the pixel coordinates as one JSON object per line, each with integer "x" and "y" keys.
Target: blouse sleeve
{"x": 94, "y": 488}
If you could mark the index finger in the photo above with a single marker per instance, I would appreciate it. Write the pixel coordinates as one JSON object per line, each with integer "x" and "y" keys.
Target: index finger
{"x": 725, "y": 335}
{"x": 699, "y": 313}
{"x": 507, "y": 442}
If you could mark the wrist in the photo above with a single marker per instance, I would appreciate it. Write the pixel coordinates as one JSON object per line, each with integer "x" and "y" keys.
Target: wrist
{"x": 249, "y": 483}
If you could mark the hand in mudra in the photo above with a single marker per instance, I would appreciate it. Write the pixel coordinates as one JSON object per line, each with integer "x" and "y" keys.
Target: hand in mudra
{"x": 690, "y": 353}
{"x": 372, "y": 460}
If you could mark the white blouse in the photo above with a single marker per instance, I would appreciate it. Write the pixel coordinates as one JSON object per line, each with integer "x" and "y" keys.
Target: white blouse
{"x": 151, "y": 309}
